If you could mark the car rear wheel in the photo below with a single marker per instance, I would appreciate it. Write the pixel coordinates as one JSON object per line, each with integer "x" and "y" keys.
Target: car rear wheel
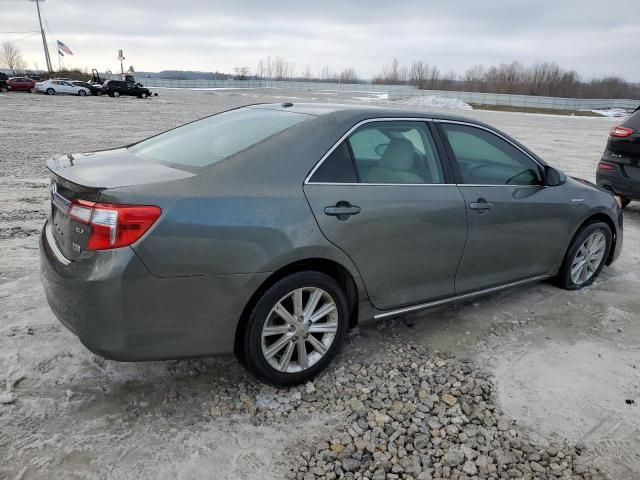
{"x": 51, "y": 91}
{"x": 116, "y": 94}
{"x": 82, "y": 93}
{"x": 143, "y": 95}
{"x": 586, "y": 256}
{"x": 295, "y": 329}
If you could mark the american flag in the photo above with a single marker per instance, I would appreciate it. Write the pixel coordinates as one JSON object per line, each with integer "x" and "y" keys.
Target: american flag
{"x": 63, "y": 48}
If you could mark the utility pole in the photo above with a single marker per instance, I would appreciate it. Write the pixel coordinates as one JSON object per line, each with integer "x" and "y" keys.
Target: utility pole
{"x": 121, "y": 58}
{"x": 44, "y": 38}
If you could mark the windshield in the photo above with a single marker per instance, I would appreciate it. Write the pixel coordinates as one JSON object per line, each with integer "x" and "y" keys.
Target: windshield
{"x": 215, "y": 138}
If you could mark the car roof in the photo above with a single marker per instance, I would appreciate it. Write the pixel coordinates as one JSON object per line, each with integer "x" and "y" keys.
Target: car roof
{"x": 359, "y": 111}
{"x": 342, "y": 114}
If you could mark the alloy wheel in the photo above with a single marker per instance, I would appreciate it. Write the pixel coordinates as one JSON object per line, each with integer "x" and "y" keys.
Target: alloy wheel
{"x": 299, "y": 329}
{"x": 588, "y": 258}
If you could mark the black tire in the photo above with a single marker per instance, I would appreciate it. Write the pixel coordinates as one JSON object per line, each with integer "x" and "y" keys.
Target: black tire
{"x": 4, "y": 89}
{"x": 115, "y": 94}
{"x": 51, "y": 91}
{"x": 249, "y": 348}
{"x": 564, "y": 279}
{"x": 144, "y": 95}
{"x": 82, "y": 93}
{"x": 624, "y": 202}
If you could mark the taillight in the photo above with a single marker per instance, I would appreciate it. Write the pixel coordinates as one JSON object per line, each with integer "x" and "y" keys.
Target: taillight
{"x": 606, "y": 167}
{"x": 113, "y": 225}
{"x": 620, "y": 131}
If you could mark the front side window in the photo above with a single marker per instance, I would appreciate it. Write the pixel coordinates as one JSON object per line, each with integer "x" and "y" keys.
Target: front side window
{"x": 486, "y": 159}
{"x": 215, "y": 138}
{"x": 396, "y": 152}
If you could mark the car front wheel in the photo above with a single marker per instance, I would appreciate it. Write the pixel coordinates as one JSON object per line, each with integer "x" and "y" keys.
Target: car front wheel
{"x": 586, "y": 256}
{"x": 82, "y": 93}
{"x": 116, "y": 94}
{"x": 143, "y": 95}
{"x": 295, "y": 329}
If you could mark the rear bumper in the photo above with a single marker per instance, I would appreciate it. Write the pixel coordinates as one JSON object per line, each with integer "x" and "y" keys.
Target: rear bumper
{"x": 618, "y": 183}
{"x": 120, "y": 311}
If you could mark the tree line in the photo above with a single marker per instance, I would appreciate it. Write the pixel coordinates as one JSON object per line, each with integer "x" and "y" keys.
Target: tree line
{"x": 540, "y": 79}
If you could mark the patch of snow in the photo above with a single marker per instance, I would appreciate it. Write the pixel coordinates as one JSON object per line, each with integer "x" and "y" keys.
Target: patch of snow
{"x": 613, "y": 112}
{"x": 433, "y": 101}
{"x": 374, "y": 96}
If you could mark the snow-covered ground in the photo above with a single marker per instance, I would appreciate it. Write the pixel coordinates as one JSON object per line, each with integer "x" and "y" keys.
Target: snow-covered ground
{"x": 565, "y": 362}
{"x": 431, "y": 101}
{"x": 613, "y": 112}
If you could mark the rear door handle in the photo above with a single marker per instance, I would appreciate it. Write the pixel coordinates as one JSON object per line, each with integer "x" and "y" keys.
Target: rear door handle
{"x": 342, "y": 210}
{"x": 481, "y": 206}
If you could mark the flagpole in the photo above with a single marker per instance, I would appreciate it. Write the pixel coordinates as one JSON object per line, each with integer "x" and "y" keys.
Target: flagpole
{"x": 44, "y": 38}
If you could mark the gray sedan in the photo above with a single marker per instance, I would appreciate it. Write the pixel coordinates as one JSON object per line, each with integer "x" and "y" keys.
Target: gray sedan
{"x": 270, "y": 230}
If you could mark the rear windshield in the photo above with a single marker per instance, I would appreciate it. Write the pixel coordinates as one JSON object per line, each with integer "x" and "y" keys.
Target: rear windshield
{"x": 634, "y": 120}
{"x": 215, "y": 138}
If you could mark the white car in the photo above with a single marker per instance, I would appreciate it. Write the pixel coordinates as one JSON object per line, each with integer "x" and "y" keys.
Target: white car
{"x": 51, "y": 87}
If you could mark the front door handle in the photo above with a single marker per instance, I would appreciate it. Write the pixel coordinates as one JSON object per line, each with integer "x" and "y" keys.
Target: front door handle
{"x": 342, "y": 210}
{"x": 481, "y": 206}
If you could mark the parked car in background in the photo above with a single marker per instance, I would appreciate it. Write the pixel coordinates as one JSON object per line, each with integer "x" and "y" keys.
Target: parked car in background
{"x": 94, "y": 88}
{"x": 4, "y": 86}
{"x": 115, "y": 88}
{"x": 21, "y": 84}
{"x": 619, "y": 168}
{"x": 52, "y": 87}
{"x": 270, "y": 230}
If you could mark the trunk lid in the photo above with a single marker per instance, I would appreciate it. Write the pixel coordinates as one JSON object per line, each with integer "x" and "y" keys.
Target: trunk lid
{"x": 83, "y": 177}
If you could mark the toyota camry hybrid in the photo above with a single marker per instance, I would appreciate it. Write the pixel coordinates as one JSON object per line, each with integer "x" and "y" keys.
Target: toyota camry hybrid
{"x": 270, "y": 230}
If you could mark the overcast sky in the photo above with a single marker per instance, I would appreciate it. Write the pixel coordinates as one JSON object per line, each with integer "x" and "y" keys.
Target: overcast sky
{"x": 594, "y": 37}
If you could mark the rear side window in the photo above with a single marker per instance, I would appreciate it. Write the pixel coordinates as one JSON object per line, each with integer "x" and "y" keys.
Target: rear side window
{"x": 215, "y": 138}
{"x": 400, "y": 152}
{"x": 337, "y": 168}
{"x": 486, "y": 159}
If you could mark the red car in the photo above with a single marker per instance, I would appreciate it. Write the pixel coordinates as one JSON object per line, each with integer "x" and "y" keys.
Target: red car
{"x": 24, "y": 84}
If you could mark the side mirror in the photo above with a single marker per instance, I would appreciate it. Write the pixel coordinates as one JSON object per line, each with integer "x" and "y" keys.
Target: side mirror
{"x": 554, "y": 177}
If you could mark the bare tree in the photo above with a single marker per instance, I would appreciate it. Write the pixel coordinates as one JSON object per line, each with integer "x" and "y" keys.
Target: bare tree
{"x": 418, "y": 74}
{"x": 308, "y": 76}
{"x": 348, "y": 75}
{"x": 241, "y": 72}
{"x": 474, "y": 78}
{"x": 11, "y": 57}
{"x": 327, "y": 75}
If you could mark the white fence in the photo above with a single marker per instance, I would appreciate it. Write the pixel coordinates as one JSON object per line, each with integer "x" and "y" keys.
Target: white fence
{"x": 403, "y": 91}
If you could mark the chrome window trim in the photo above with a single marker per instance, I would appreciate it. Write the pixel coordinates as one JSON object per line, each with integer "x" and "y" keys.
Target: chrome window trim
{"x": 307, "y": 180}
{"x": 352, "y": 184}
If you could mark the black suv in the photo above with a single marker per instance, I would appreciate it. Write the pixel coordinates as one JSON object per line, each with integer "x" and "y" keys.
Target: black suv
{"x": 619, "y": 168}
{"x": 115, "y": 88}
{"x": 4, "y": 86}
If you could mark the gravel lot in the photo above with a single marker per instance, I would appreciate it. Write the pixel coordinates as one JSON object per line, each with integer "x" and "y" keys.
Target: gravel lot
{"x": 534, "y": 382}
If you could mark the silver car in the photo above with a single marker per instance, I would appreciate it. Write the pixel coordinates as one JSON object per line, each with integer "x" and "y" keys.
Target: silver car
{"x": 270, "y": 230}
